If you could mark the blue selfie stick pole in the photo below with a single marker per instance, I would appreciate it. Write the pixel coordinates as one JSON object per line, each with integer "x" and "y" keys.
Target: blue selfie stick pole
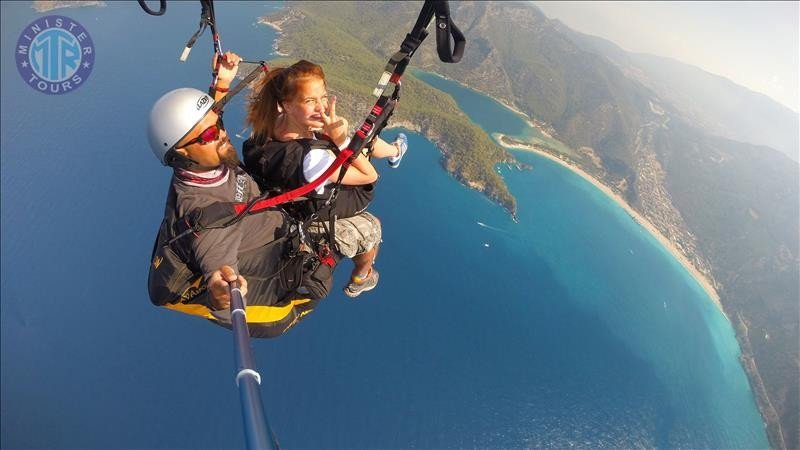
{"x": 256, "y": 428}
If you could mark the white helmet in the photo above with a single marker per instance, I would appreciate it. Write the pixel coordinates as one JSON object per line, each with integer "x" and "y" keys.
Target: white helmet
{"x": 173, "y": 116}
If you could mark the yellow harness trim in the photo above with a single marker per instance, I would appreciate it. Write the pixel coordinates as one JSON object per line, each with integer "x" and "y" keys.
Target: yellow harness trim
{"x": 255, "y": 313}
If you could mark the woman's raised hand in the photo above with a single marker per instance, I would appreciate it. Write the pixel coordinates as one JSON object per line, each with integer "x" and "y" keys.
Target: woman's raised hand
{"x": 335, "y": 127}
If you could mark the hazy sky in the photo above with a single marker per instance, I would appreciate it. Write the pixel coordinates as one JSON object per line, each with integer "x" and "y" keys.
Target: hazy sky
{"x": 754, "y": 44}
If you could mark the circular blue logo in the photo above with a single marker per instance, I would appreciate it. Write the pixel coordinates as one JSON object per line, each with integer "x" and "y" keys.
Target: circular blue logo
{"x": 55, "y": 55}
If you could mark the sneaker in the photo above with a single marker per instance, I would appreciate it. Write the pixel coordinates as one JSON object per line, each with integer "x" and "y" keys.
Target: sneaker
{"x": 401, "y": 143}
{"x": 354, "y": 289}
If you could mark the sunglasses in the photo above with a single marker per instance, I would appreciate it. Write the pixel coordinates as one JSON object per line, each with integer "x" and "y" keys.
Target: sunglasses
{"x": 209, "y": 135}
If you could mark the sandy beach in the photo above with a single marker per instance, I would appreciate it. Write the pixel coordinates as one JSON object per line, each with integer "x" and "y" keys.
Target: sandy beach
{"x": 705, "y": 283}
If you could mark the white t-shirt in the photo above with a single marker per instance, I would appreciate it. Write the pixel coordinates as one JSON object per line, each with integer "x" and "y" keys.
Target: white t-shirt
{"x": 317, "y": 162}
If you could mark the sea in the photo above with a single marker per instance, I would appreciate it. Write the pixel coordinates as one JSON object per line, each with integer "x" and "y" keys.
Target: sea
{"x": 573, "y": 328}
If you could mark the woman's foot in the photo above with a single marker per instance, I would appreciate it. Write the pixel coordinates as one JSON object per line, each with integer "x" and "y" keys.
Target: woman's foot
{"x": 402, "y": 145}
{"x": 357, "y": 286}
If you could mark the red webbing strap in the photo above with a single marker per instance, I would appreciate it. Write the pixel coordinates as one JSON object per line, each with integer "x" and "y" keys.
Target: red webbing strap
{"x": 302, "y": 190}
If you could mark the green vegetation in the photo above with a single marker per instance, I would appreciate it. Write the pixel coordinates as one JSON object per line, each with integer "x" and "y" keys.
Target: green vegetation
{"x": 352, "y": 71}
{"x": 587, "y": 102}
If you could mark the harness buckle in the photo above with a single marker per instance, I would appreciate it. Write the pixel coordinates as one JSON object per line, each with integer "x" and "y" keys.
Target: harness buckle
{"x": 326, "y": 256}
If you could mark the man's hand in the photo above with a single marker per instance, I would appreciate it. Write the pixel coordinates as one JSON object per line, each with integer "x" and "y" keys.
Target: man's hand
{"x": 219, "y": 287}
{"x": 228, "y": 66}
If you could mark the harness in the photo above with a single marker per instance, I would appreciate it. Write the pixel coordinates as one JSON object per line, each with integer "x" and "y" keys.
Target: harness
{"x": 175, "y": 279}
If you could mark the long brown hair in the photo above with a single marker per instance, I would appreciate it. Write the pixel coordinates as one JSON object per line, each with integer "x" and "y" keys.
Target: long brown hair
{"x": 278, "y": 85}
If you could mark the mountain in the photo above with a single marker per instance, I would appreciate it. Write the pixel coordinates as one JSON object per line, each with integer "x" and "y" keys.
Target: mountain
{"x": 711, "y": 102}
{"x": 730, "y": 205}
{"x": 468, "y": 153}
{"x": 741, "y": 201}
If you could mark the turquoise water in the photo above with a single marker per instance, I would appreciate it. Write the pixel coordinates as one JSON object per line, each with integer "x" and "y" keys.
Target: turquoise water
{"x": 572, "y": 328}
{"x": 612, "y": 268}
{"x": 491, "y": 114}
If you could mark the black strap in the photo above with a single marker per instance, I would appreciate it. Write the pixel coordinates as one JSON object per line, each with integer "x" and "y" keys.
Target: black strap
{"x": 161, "y": 11}
{"x": 206, "y": 19}
{"x": 445, "y": 28}
{"x": 211, "y": 19}
{"x": 194, "y": 37}
{"x": 215, "y": 215}
{"x": 220, "y": 105}
{"x": 384, "y": 107}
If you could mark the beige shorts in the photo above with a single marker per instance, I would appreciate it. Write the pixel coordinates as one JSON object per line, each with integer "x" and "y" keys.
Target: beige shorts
{"x": 354, "y": 235}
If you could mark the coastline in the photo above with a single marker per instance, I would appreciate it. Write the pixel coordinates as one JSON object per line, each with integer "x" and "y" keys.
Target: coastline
{"x": 704, "y": 282}
{"x": 766, "y": 409}
{"x": 532, "y": 123}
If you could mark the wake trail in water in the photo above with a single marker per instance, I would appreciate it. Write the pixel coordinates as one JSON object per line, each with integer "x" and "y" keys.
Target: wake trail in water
{"x": 493, "y": 228}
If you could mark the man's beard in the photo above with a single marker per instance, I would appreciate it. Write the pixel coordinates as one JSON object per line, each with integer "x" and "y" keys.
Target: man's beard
{"x": 227, "y": 154}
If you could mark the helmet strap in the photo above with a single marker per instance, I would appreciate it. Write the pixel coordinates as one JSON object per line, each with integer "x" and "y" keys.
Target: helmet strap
{"x": 177, "y": 160}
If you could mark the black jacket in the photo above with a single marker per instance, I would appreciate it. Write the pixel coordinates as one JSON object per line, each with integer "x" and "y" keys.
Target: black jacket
{"x": 278, "y": 166}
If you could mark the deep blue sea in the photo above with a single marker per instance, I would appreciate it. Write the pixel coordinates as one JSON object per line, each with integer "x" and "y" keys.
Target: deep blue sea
{"x": 571, "y": 328}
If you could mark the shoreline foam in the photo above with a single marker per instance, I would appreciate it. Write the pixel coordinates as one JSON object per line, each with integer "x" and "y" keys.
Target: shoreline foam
{"x": 701, "y": 279}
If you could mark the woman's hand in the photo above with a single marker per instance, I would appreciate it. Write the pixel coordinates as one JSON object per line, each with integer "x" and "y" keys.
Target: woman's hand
{"x": 335, "y": 127}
